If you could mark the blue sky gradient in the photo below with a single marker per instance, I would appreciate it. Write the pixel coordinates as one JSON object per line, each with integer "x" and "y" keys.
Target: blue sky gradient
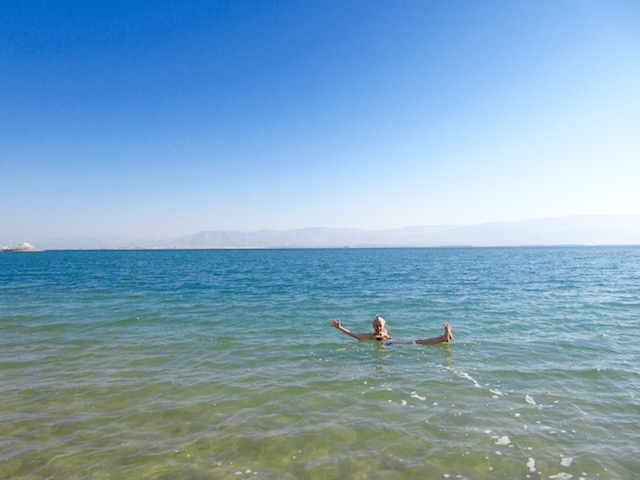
{"x": 159, "y": 119}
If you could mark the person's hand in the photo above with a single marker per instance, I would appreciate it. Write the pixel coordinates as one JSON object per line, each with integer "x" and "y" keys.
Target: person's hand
{"x": 335, "y": 323}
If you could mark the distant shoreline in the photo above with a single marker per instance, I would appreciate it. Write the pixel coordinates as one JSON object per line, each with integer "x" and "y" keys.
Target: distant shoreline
{"x": 579, "y": 230}
{"x": 366, "y": 247}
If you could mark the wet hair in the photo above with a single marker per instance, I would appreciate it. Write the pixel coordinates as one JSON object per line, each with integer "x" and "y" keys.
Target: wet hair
{"x": 381, "y": 320}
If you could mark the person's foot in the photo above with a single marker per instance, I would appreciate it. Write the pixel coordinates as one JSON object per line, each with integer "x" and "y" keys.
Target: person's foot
{"x": 447, "y": 332}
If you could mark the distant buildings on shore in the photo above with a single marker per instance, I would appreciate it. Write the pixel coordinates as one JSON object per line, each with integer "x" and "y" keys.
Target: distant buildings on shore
{"x": 23, "y": 247}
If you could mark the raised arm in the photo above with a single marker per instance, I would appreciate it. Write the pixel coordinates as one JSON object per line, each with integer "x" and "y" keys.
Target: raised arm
{"x": 359, "y": 336}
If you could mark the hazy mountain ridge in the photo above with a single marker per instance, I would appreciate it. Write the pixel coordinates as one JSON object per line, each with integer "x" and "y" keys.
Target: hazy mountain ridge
{"x": 574, "y": 230}
{"x": 583, "y": 230}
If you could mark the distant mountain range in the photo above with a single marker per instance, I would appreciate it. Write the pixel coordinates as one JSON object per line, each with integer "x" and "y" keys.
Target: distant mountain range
{"x": 574, "y": 230}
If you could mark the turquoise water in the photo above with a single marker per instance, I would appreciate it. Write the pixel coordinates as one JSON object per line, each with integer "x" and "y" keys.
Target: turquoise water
{"x": 222, "y": 364}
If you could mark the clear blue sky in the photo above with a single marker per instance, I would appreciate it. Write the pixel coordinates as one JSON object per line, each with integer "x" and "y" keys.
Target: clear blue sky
{"x": 152, "y": 119}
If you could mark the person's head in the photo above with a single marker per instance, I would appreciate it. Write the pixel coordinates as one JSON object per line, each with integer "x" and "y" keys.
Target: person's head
{"x": 379, "y": 325}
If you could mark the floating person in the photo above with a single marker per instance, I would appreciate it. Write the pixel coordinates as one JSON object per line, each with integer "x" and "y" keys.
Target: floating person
{"x": 380, "y": 333}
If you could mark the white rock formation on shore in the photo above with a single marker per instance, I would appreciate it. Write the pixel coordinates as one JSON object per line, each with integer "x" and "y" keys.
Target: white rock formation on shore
{"x": 23, "y": 247}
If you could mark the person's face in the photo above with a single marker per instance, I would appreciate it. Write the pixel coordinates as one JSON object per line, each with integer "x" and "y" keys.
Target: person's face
{"x": 378, "y": 327}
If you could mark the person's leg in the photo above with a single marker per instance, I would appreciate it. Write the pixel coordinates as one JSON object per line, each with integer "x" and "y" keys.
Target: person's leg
{"x": 447, "y": 336}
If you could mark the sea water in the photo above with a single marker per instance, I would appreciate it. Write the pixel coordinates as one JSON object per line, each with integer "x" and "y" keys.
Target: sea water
{"x": 223, "y": 364}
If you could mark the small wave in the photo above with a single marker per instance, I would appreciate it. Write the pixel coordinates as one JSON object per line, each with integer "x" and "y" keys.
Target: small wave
{"x": 124, "y": 322}
{"x": 415, "y": 395}
{"x": 531, "y": 465}
{"x": 466, "y": 376}
{"x": 566, "y": 461}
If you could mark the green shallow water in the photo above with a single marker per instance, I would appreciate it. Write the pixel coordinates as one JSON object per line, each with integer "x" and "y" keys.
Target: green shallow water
{"x": 222, "y": 364}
